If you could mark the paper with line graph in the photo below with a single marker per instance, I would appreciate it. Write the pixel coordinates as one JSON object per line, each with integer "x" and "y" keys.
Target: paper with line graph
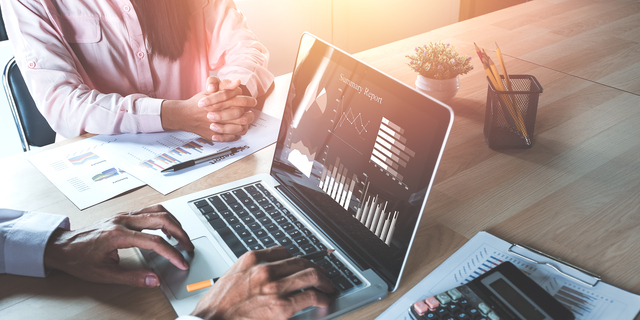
{"x": 82, "y": 174}
{"x": 145, "y": 155}
{"x": 485, "y": 251}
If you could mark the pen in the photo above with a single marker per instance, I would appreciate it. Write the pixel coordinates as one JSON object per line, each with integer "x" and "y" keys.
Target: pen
{"x": 194, "y": 162}
{"x": 201, "y": 284}
{"x": 208, "y": 283}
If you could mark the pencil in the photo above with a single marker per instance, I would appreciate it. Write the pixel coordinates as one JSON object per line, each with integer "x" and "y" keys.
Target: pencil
{"x": 511, "y": 107}
{"x": 485, "y": 65}
{"x": 504, "y": 67}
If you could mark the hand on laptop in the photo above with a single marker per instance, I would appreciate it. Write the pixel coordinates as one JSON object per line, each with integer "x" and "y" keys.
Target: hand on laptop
{"x": 264, "y": 284}
{"x": 92, "y": 253}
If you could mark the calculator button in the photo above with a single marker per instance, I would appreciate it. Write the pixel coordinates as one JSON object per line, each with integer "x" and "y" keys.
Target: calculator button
{"x": 442, "y": 312}
{"x": 473, "y": 312}
{"x": 462, "y": 315}
{"x": 432, "y": 302}
{"x": 420, "y": 307}
{"x": 484, "y": 308}
{"x": 444, "y": 298}
{"x": 452, "y": 308}
{"x": 493, "y": 316}
{"x": 454, "y": 294}
{"x": 430, "y": 315}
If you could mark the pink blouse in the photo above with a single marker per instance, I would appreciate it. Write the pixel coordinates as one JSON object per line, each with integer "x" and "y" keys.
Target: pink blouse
{"x": 88, "y": 69}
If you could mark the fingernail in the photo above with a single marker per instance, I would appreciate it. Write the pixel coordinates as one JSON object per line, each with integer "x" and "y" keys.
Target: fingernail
{"x": 200, "y": 103}
{"x": 151, "y": 281}
{"x": 186, "y": 264}
{"x": 214, "y": 127}
{"x": 210, "y": 88}
{"x": 211, "y": 116}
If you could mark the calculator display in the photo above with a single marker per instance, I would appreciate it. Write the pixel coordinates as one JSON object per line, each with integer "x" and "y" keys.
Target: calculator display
{"x": 516, "y": 300}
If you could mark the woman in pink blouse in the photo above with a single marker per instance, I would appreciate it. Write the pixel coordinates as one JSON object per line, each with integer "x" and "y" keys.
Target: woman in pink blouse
{"x": 129, "y": 66}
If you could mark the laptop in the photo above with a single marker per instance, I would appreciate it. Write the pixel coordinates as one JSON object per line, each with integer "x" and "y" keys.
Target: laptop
{"x": 355, "y": 159}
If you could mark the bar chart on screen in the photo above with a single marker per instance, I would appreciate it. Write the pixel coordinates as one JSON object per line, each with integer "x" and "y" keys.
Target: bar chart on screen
{"x": 390, "y": 152}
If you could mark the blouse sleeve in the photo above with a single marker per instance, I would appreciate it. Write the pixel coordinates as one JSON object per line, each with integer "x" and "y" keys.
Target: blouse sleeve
{"x": 234, "y": 51}
{"x": 59, "y": 84}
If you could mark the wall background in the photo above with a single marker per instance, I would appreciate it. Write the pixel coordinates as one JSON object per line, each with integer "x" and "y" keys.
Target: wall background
{"x": 351, "y": 25}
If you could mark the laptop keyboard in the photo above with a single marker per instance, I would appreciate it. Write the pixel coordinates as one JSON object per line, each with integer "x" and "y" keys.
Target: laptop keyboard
{"x": 250, "y": 218}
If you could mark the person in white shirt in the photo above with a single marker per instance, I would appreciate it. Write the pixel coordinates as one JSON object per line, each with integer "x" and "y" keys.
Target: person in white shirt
{"x": 262, "y": 284}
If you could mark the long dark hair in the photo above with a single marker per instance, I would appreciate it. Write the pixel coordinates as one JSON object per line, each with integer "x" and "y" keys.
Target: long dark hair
{"x": 165, "y": 24}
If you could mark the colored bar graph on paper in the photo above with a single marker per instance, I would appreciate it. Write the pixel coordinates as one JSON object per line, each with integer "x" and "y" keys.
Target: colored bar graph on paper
{"x": 171, "y": 157}
{"x": 83, "y": 158}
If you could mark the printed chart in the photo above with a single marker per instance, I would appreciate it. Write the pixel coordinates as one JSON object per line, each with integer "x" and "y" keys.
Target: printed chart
{"x": 146, "y": 155}
{"x": 82, "y": 174}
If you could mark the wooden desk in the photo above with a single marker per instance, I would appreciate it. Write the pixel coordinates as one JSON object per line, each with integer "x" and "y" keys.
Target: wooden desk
{"x": 575, "y": 194}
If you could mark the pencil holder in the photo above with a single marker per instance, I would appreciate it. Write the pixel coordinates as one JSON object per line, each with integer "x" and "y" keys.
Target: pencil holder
{"x": 511, "y": 115}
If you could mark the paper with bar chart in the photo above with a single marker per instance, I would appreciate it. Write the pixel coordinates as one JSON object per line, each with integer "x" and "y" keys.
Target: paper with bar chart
{"x": 80, "y": 172}
{"x": 485, "y": 251}
{"x": 145, "y": 155}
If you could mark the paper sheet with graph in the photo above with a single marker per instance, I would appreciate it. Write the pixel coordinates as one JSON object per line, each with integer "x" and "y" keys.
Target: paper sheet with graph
{"x": 485, "y": 251}
{"x": 82, "y": 174}
{"x": 144, "y": 155}
{"x": 101, "y": 167}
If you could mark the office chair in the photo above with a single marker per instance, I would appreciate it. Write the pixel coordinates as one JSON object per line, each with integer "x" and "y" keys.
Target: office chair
{"x": 33, "y": 128}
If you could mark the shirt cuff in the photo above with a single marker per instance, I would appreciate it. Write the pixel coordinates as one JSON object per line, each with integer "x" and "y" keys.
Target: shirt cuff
{"x": 188, "y": 317}
{"x": 26, "y": 241}
{"x": 148, "y": 114}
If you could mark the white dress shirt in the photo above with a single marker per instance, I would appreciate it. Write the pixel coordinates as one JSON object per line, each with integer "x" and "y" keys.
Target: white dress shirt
{"x": 23, "y": 237}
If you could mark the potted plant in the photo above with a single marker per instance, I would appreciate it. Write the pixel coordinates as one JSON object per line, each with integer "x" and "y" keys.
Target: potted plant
{"x": 438, "y": 66}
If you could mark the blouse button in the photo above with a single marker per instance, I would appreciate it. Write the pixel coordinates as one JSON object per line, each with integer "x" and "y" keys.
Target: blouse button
{"x": 32, "y": 64}
{"x": 127, "y": 8}
{"x": 140, "y": 54}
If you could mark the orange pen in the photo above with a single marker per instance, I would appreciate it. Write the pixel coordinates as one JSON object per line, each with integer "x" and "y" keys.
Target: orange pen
{"x": 201, "y": 284}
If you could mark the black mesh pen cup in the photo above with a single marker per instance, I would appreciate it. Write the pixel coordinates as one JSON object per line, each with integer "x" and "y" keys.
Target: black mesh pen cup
{"x": 511, "y": 115}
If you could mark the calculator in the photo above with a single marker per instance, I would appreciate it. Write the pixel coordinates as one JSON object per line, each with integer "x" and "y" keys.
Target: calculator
{"x": 503, "y": 293}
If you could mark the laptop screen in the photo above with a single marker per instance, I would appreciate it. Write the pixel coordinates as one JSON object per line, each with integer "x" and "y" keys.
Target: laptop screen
{"x": 357, "y": 151}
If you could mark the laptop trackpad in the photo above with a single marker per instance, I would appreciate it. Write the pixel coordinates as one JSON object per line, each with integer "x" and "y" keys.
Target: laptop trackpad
{"x": 205, "y": 263}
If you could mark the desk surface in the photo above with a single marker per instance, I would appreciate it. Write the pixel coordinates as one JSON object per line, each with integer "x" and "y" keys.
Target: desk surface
{"x": 575, "y": 194}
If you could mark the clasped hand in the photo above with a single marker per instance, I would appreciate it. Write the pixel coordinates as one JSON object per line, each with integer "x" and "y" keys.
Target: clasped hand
{"x": 220, "y": 113}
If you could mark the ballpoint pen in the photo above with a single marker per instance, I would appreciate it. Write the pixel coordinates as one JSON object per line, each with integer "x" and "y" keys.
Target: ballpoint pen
{"x": 208, "y": 283}
{"x": 191, "y": 163}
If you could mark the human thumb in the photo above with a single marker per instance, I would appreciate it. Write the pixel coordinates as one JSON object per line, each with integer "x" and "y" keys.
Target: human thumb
{"x": 135, "y": 278}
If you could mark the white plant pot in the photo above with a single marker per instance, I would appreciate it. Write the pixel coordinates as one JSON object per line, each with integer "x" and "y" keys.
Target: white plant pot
{"x": 443, "y": 90}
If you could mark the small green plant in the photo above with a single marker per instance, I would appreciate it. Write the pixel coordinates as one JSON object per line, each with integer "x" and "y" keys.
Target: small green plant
{"x": 439, "y": 61}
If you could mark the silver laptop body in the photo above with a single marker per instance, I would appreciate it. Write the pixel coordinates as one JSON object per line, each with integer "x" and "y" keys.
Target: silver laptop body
{"x": 355, "y": 159}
